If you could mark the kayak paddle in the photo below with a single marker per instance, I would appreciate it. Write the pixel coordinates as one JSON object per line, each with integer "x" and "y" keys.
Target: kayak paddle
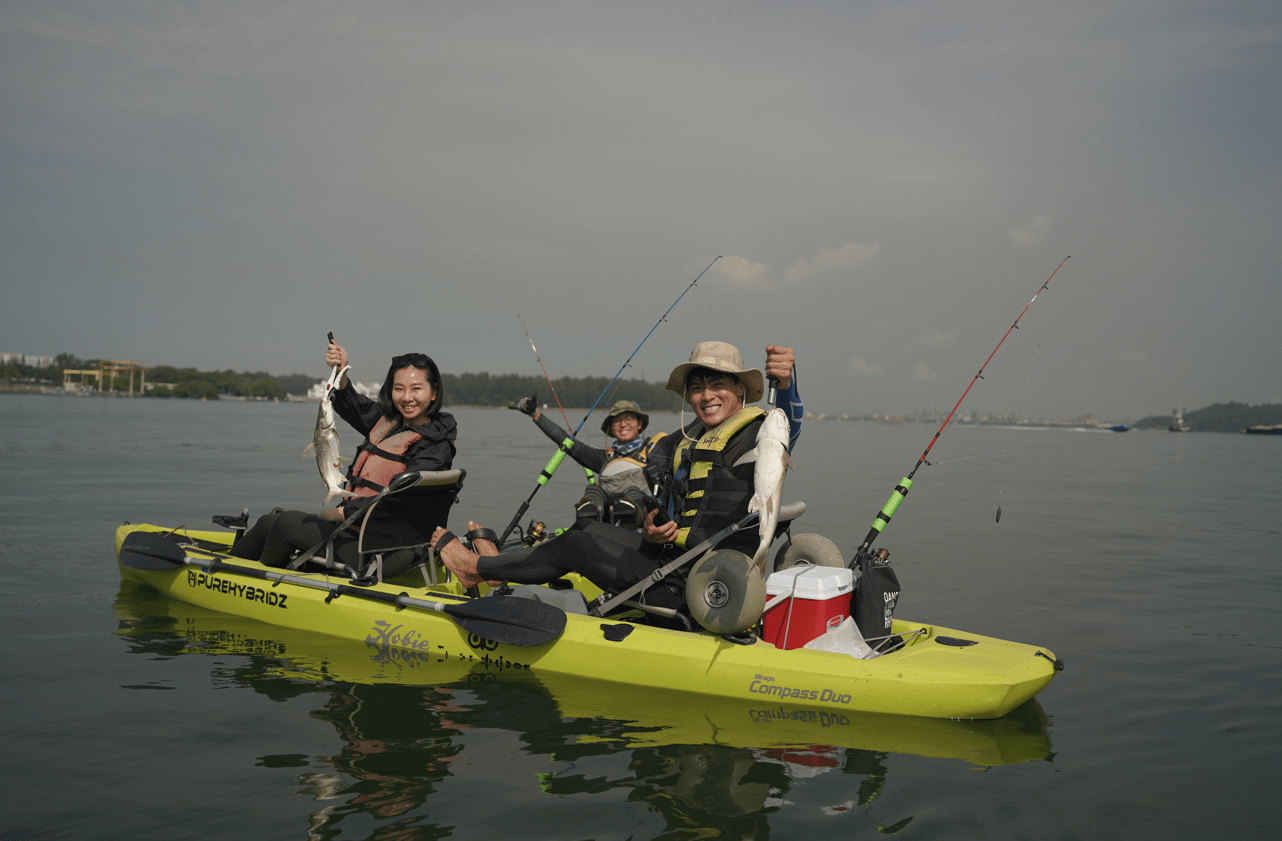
{"x": 503, "y": 619}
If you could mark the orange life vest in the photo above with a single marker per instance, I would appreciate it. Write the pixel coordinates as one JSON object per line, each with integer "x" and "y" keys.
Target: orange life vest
{"x": 380, "y": 457}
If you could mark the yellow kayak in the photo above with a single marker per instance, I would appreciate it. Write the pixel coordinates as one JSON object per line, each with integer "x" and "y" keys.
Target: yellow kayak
{"x": 938, "y": 673}
{"x": 676, "y": 719}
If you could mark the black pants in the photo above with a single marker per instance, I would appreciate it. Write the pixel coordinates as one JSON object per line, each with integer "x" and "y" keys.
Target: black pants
{"x": 610, "y": 557}
{"x": 605, "y": 506}
{"x": 275, "y": 538}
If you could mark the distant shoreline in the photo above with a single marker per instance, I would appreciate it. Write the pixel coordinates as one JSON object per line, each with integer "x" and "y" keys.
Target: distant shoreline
{"x": 1236, "y": 418}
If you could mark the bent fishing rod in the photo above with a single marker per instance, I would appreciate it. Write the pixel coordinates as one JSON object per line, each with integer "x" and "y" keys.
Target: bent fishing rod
{"x": 905, "y": 484}
{"x": 551, "y": 388}
{"x": 565, "y": 446}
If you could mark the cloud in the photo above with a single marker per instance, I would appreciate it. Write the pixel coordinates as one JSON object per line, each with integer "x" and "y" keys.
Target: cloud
{"x": 1030, "y": 236}
{"x": 934, "y": 339}
{"x": 734, "y": 270}
{"x": 831, "y": 261}
{"x": 1133, "y": 356}
{"x": 860, "y": 364}
{"x": 921, "y": 372}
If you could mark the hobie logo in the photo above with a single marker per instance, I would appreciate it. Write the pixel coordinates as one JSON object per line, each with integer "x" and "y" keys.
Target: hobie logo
{"x": 384, "y": 633}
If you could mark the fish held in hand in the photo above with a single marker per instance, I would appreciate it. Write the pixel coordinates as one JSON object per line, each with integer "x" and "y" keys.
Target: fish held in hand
{"x": 325, "y": 443}
{"x": 772, "y": 461}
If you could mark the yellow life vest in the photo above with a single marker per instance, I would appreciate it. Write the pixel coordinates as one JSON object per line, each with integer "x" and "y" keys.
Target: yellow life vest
{"x": 713, "y": 496}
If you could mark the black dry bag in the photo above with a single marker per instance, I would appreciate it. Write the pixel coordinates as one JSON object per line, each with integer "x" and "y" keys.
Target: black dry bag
{"x": 874, "y": 601}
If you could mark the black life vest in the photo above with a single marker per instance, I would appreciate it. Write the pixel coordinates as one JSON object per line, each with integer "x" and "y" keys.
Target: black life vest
{"x": 708, "y": 494}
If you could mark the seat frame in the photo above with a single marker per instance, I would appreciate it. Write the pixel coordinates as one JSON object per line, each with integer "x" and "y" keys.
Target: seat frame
{"x": 438, "y": 488}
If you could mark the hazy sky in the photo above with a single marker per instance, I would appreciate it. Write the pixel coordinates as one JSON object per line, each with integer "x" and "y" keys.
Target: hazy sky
{"x": 217, "y": 184}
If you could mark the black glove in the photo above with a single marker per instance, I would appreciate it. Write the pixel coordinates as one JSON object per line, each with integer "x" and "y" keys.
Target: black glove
{"x": 526, "y": 404}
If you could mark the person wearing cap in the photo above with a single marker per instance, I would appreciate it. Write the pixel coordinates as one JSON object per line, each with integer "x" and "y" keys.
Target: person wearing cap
{"x": 718, "y": 389}
{"x": 618, "y": 496}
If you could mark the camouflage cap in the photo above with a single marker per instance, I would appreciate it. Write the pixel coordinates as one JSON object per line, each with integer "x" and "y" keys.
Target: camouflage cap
{"x": 620, "y": 408}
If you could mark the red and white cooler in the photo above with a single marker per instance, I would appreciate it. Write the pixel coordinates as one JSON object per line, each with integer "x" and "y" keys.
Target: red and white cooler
{"x": 814, "y": 600}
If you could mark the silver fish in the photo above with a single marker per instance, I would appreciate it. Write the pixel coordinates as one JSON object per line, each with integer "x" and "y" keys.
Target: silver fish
{"x": 325, "y": 443}
{"x": 772, "y": 460}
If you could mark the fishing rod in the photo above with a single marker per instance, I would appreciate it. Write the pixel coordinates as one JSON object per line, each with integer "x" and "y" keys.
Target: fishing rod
{"x": 565, "y": 445}
{"x": 552, "y": 388}
{"x": 905, "y": 484}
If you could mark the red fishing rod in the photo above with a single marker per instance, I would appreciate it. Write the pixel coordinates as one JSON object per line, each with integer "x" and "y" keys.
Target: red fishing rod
{"x": 901, "y": 490}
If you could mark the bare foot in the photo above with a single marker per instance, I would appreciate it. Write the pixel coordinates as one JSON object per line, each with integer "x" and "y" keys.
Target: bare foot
{"x": 457, "y": 559}
{"x": 483, "y": 547}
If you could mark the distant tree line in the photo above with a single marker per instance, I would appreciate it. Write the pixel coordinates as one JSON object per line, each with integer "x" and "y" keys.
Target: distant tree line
{"x": 460, "y": 390}
{"x": 167, "y": 380}
{"x": 1219, "y": 417}
{"x": 575, "y": 392}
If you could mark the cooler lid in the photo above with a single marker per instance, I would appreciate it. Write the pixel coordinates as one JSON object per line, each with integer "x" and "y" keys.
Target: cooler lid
{"x": 811, "y": 582}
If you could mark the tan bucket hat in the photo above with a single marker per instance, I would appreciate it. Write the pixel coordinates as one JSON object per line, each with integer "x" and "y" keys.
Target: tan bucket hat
{"x": 620, "y": 408}
{"x": 723, "y": 358}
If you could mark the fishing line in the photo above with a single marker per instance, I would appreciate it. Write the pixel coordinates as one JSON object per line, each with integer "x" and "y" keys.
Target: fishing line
{"x": 552, "y": 388}
{"x": 901, "y": 490}
{"x": 1022, "y": 393}
{"x": 565, "y": 446}
{"x": 1018, "y": 405}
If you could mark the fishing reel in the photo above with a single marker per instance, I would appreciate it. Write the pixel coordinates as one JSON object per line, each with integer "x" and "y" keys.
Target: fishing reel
{"x": 534, "y": 532}
{"x": 873, "y": 558}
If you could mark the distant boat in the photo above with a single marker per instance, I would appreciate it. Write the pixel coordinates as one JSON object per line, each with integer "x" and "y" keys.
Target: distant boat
{"x": 1119, "y": 427}
{"x": 1179, "y": 426}
{"x": 1261, "y": 429}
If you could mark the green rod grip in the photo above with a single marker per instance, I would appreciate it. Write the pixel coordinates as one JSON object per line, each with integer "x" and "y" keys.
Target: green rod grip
{"x": 888, "y": 510}
{"x": 556, "y": 461}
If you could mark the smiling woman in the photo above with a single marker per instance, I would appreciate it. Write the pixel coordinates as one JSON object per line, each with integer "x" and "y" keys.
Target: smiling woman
{"x": 405, "y": 430}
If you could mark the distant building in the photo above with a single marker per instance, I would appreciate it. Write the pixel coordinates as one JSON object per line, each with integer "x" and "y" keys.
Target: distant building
{"x": 26, "y": 359}
{"x": 370, "y": 390}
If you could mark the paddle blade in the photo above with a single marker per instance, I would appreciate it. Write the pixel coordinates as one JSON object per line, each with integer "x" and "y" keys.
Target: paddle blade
{"x": 148, "y": 550}
{"x": 509, "y": 620}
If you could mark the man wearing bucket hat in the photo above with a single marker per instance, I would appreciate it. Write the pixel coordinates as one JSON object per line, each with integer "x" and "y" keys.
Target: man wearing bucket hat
{"x": 702, "y": 479}
{"x": 718, "y": 388}
{"x": 618, "y": 496}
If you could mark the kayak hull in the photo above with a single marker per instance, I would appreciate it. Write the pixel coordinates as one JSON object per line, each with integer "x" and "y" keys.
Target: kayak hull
{"x": 980, "y": 678}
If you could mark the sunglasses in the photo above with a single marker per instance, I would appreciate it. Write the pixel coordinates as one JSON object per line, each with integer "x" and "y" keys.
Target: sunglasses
{"x": 418, "y": 360}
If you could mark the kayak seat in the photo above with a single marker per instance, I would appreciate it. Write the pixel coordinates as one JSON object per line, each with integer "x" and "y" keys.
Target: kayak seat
{"x": 401, "y": 517}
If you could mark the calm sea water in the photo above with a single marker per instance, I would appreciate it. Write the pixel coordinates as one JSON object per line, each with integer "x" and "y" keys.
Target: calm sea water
{"x": 1147, "y": 561}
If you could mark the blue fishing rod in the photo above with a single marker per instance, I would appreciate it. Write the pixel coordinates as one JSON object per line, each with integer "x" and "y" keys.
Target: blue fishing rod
{"x": 565, "y": 445}
{"x": 901, "y": 490}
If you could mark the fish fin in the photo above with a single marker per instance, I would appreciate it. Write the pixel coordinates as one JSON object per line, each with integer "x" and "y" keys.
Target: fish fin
{"x": 755, "y": 504}
{"x": 787, "y": 462}
{"x": 310, "y": 448}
